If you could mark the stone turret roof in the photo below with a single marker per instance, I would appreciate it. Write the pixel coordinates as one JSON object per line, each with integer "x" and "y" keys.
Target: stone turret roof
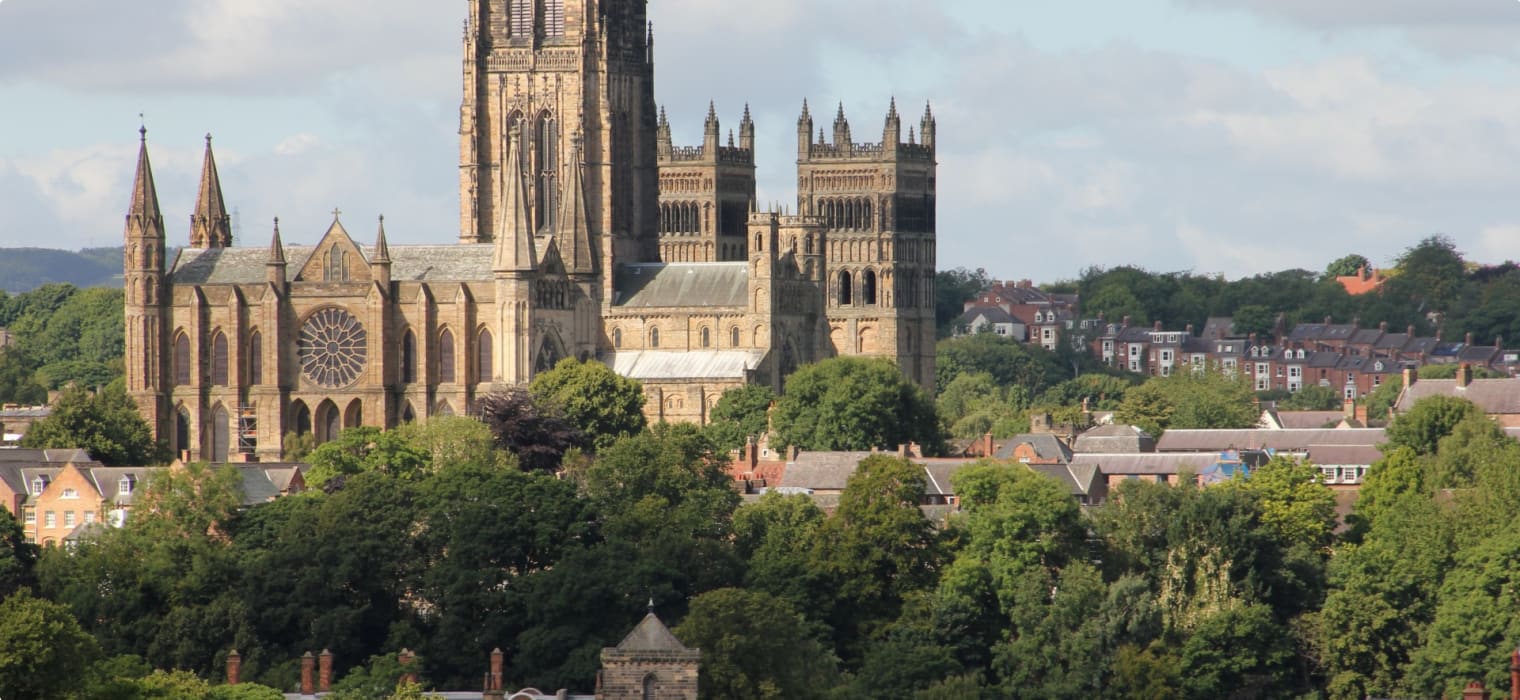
{"x": 651, "y": 635}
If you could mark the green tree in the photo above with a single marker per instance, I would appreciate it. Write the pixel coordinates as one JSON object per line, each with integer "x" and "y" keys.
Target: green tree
{"x": 875, "y": 549}
{"x": 952, "y": 288}
{"x": 973, "y": 403}
{"x": 1255, "y": 318}
{"x": 188, "y": 502}
{"x": 603, "y": 405}
{"x": 1428, "y": 420}
{"x": 1431, "y": 273}
{"x": 742, "y": 414}
{"x": 1314, "y": 397}
{"x": 105, "y": 424}
{"x": 1238, "y": 652}
{"x": 18, "y": 557}
{"x": 1348, "y": 266}
{"x": 1190, "y": 399}
{"x": 1296, "y": 506}
{"x": 1010, "y": 362}
{"x": 453, "y": 440}
{"x": 365, "y": 449}
{"x": 43, "y": 651}
{"x": 755, "y": 646}
{"x": 774, "y": 536}
{"x": 18, "y": 380}
{"x": 849, "y": 403}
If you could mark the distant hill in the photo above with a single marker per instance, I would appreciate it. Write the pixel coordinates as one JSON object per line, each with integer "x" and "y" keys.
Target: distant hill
{"x": 25, "y": 269}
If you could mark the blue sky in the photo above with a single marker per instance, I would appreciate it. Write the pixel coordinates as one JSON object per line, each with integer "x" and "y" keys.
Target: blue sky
{"x": 1218, "y": 136}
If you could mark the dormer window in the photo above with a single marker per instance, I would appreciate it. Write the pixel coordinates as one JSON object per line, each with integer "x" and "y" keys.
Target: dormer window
{"x": 38, "y": 485}
{"x": 125, "y": 486}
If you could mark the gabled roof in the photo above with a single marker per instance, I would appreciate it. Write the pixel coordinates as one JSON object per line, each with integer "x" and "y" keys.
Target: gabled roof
{"x": 409, "y": 263}
{"x": 1114, "y": 439}
{"x": 1494, "y": 396}
{"x": 1366, "y": 336}
{"x": 1045, "y": 446}
{"x": 993, "y": 314}
{"x": 1280, "y": 440}
{"x": 822, "y": 471}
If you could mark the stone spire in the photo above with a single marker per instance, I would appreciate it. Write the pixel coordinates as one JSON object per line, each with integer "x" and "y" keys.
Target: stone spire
{"x": 804, "y": 131}
{"x": 144, "y": 209}
{"x": 210, "y": 226}
{"x": 576, "y": 247}
{"x": 926, "y": 127}
{"x": 274, "y": 266}
{"x": 747, "y": 131}
{"x": 711, "y": 134}
{"x": 892, "y": 131}
{"x": 380, "y": 262}
{"x": 514, "y": 238}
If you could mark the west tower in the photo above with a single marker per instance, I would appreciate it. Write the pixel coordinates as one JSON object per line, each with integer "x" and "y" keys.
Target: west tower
{"x": 560, "y": 71}
{"x": 706, "y": 192}
{"x": 877, "y": 205}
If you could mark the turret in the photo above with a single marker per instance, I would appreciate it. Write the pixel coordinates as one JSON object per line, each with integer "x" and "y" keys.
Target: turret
{"x": 274, "y": 265}
{"x": 145, "y": 228}
{"x": 210, "y": 226}
{"x": 926, "y": 126}
{"x": 663, "y": 143}
{"x": 747, "y": 131}
{"x": 576, "y": 247}
{"x": 891, "y": 134}
{"x": 804, "y": 132}
{"x": 710, "y": 131}
{"x": 514, "y": 240}
{"x": 842, "y": 132}
{"x": 380, "y": 263}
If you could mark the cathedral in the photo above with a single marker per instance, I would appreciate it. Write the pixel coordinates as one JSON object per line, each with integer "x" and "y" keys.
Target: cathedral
{"x": 584, "y": 233}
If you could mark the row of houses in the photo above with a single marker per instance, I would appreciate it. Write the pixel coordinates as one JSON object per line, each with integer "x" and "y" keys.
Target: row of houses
{"x": 60, "y": 496}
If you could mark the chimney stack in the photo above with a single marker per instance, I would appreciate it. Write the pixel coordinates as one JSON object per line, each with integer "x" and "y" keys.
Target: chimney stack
{"x": 498, "y": 662}
{"x": 308, "y": 674}
{"x": 1411, "y": 375}
{"x": 324, "y": 671}
{"x": 1514, "y": 675}
{"x": 408, "y": 674}
{"x": 234, "y": 667}
{"x": 1475, "y": 691}
{"x": 1464, "y": 375}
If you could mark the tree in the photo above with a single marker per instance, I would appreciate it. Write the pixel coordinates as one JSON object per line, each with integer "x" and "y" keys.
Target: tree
{"x": 849, "y": 403}
{"x": 1296, "y": 506}
{"x": 1238, "y": 652}
{"x": 1254, "y": 318}
{"x": 452, "y": 441}
{"x": 539, "y": 435}
{"x": 17, "y": 556}
{"x": 17, "y": 380}
{"x": 1432, "y": 273}
{"x": 188, "y": 502}
{"x": 1190, "y": 399}
{"x": 952, "y": 288}
{"x": 603, "y": 405}
{"x": 754, "y": 646}
{"x": 43, "y": 651}
{"x": 1348, "y": 266}
{"x": 1428, "y": 420}
{"x": 106, "y": 424}
{"x": 742, "y": 414}
{"x": 1010, "y": 362}
{"x": 774, "y": 536}
{"x": 366, "y": 449}
{"x": 1313, "y": 397}
{"x": 875, "y": 549}
{"x": 973, "y": 403}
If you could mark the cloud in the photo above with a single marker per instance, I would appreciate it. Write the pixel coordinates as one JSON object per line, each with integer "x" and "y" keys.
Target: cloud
{"x": 1449, "y": 28}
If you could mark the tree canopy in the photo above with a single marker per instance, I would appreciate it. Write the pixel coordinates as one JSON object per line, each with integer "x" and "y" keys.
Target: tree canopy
{"x": 106, "y": 424}
{"x": 849, "y": 403}
{"x": 600, "y": 404}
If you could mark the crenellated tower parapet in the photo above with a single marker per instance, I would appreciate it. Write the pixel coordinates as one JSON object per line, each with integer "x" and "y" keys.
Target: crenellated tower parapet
{"x": 706, "y": 192}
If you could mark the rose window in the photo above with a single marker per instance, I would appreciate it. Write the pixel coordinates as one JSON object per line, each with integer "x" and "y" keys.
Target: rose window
{"x": 332, "y": 348}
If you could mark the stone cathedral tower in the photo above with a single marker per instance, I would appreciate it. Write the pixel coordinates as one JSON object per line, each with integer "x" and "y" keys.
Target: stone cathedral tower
{"x": 561, "y": 72}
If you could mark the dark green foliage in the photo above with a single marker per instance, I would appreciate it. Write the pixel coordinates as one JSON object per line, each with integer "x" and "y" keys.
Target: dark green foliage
{"x": 1348, "y": 266}
{"x": 755, "y": 647}
{"x": 600, "y": 404}
{"x": 1238, "y": 652}
{"x": 43, "y": 651}
{"x": 1314, "y": 397}
{"x": 850, "y": 403}
{"x": 741, "y": 414}
{"x": 952, "y": 288}
{"x": 106, "y": 424}
{"x": 361, "y": 450}
{"x": 1430, "y": 419}
{"x": 1009, "y": 362}
{"x": 17, "y": 556}
{"x": 1189, "y": 399}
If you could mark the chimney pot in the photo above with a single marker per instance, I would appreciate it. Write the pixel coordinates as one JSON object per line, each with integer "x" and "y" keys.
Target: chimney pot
{"x": 234, "y": 667}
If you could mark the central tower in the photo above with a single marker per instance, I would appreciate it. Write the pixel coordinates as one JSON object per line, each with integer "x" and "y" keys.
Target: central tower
{"x": 562, "y": 71}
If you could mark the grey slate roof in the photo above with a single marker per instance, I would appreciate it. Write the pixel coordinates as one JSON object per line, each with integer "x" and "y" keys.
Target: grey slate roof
{"x": 1342, "y": 455}
{"x": 651, "y": 635}
{"x": 1045, "y": 445}
{"x": 993, "y": 314}
{"x": 1494, "y": 396}
{"x": 417, "y": 263}
{"x": 822, "y": 471}
{"x": 654, "y": 285}
{"x": 1308, "y": 420}
{"x": 1145, "y": 464}
{"x": 1114, "y": 439}
{"x": 646, "y": 365}
{"x": 1280, "y": 440}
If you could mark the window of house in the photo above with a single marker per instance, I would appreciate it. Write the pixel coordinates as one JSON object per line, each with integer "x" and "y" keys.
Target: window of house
{"x": 38, "y": 484}
{"x": 68, "y": 518}
{"x": 31, "y": 517}
{"x": 50, "y": 519}
{"x": 89, "y": 517}
{"x": 706, "y": 337}
{"x": 125, "y": 486}
{"x": 1377, "y": 380}
{"x": 70, "y": 493}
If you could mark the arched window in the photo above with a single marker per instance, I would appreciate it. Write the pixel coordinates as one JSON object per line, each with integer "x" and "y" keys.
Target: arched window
{"x": 868, "y": 287}
{"x": 300, "y": 418}
{"x": 759, "y": 244}
{"x": 407, "y": 414}
{"x": 648, "y": 690}
{"x": 256, "y": 358}
{"x": 733, "y": 336}
{"x": 617, "y": 338}
{"x": 446, "y": 357}
{"x": 354, "y": 416}
{"x": 654, "y": 337}
{"x": 181, "y": 431}
{"x": 220, "y": 428}
{"x": 546, "y": 138}
{"x": 706, "y": 337}
{"x": 181, "y": 359}
{"x": 845, "y": 288}
{"x": 408, "y": 357}
{"x": 219, "y": 359}
{"x": 485, "y": 358}
{"x": 329, "y": 422}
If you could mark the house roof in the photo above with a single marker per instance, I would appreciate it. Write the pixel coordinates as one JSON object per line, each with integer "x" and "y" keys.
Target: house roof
{"x": 657, "y": 365}
{"x": 1279, "y": 440}
{"x": 1045, "y": 446}
{"x": 655, "y": 285}
{"x": 1308, "y": 420}
{"x": 993, "y": 314}
{"x": 822, "y": 471}
{"x": 1145, "y": 464}
{"x": 1341, "y": 455}
{"x": 1114, "y": 439}
{"x": 1494, "y": 396}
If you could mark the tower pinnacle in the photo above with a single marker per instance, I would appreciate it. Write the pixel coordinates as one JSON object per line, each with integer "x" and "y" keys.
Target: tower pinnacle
{"x": 210, "y": 226}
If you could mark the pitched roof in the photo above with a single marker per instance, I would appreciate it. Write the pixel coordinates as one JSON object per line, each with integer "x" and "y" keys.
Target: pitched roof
{"x": 409, "y": 263}
{"x": 1340, "y": 455}
{"x": 656, "y": 365}
{"x": 651, "y": 635}
{"x": 1280, "y": 440}
{"x": 1114, "y": 439}
{"x": 1045, "y": 446}
{"x": 706, "y": 285}
{"x": 1308, "y": 420}
{"x": 1494, "y": 396}
{"x": 822, "y": 471}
